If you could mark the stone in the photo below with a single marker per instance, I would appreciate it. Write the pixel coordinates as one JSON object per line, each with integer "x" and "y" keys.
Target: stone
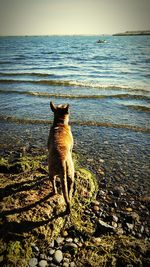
{"x": 52, "y": 244}
{"x": 115, "y": 218}
{"x": 120, "y": 231}
{"x": 101, "y": 160}
{"x": 52, "y": 251}
{"x": 59, "y": 240}
{"x": 58, "y": 256}
{"x": 135, "y": 217}
{"x": 33, "y": 262}
{"x": 102, "y": 227}
{"x": 95, "y": 203}
{"x": 64, "y": 233}
{"x": 35, "y": 248}
{"x": 114, "y": 224}
{"x": 66, "y": 260}
{"x": 76, "y": 240}
{"x": 65, "y": 264}
{"x": 96, "y": 208}
{"x": 130, "y": 226}
{"x": 43, "y": 263}
{"x": 72, "y": 264}
{"x": 69, "y": 240}
{"x": 43, "y": 257}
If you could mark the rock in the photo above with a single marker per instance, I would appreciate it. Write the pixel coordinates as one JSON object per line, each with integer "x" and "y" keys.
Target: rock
{"x": 58, "y": 256}
{"x": 52, "y": 244}
{"x": 101, "y": 160}
{"x": 66, "y": 260}
{"x": 72, "y": 264}
{"x": 130, "y": 226}
{"x": 35, "y": 249}
{"x": 43, "y": 263}
{"x": 120, "y": 231}
{"x": 115, "y": 218}
{"x": 135, "y": 217}
{"x": 52, "y": 251}
{"x": 65, "y": 264}
{"x": 43, "y": 257}
{"x": 95, "y": 203}
{"x": 102, "y": 227}
{"x": 64, "y": 233}
{"x": 114, "y": 224}
{"x": 76, "y": 240}
{"x": 96, "y": 208}
{"x": 59, "y": 240}
{"x": 69, "y": 240}
{"x": 33, "y": 262}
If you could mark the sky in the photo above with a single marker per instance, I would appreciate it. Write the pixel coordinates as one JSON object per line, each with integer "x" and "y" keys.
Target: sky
{"x": 69, "y": 17}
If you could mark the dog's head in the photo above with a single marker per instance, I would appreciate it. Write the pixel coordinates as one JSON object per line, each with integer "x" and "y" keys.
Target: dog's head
{"x": 61, "y": 112}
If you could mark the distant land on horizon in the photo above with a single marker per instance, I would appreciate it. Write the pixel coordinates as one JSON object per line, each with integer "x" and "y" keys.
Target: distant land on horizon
{"x": 145, "y": 32}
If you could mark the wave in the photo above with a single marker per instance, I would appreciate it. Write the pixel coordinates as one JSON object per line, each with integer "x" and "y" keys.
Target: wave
{"x": 79, "y": 123}
{"x": 32, "y": 74}
{"x": 139, "y": 108}
{"x": 79, "y": 96}
{"x": 69, "y": 83}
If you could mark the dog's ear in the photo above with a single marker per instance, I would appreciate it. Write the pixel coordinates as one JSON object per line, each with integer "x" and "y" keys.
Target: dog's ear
{"x": 67, "y": 108}
{"x": 53, "y": 107}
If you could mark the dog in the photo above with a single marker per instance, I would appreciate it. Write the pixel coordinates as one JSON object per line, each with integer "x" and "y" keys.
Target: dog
{"x": 60, "y": 145}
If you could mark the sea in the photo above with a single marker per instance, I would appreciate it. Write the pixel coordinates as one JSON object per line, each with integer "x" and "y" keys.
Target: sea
{"x": 107, "y": 85}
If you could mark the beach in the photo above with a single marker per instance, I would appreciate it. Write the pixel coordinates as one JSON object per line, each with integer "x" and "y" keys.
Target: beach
{"x": 107, "y": 88}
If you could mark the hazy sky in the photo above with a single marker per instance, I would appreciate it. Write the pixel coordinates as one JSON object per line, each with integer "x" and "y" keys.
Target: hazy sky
{"x": 40, "y": 17}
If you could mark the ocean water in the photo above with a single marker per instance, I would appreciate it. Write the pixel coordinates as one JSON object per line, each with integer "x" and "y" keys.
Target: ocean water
{"x": 106, "y": 84}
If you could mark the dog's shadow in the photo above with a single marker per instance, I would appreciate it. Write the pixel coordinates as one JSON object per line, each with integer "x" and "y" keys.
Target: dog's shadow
{"x": 20, "y": 224}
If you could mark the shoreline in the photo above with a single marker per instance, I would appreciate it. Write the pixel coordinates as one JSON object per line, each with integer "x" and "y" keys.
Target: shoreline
{"x": 106, "y": 217}
{"x": 132, "y": 33}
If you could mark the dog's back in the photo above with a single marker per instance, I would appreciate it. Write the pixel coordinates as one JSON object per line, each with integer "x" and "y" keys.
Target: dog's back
{"x": 60, "y": 144}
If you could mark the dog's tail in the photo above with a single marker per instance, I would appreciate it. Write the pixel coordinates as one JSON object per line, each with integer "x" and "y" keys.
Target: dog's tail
{"x": 65, "y": 185}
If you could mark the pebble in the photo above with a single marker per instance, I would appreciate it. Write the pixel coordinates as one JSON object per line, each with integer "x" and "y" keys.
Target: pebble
{"x": 66, "y": 260}
{"x": 43, "y": 257}
{"x": 64, "y": 233}
{"x": 95, "y": 203}
{"x": 65, "y": 264}
{"x": 69, "y": 240}
{"x": 115, "y": 218}
{"x": 96, "y": 208}
{"x": 52, "y": 244}
{"x": 114, "y": 224}
{"x": 130, "y": 226}
{"x": 52, "y": 251}
{"x": 59, "y": 240}
{"x": 58, "y": 256}
{"x": 72, "y": 264}
{"x": 43, "y": 263}
{"x": 35, "y": 248}
{"x": 33, "y": 262}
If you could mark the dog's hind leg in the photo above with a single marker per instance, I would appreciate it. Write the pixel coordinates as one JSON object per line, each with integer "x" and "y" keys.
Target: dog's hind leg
{"x": 53, "y": 180}
{"x": 65, "y": 186}
{"x": 70, "y": 178}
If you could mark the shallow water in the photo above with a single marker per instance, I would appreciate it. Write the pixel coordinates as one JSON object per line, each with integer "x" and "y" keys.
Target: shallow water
{"x": 107, "y": 86}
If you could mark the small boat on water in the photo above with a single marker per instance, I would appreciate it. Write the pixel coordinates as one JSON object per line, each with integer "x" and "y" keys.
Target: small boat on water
{"x": 101, "y": 41}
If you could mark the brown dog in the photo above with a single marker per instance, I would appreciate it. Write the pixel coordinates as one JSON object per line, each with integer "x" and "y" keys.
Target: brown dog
{"x": 60, "y": 144}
